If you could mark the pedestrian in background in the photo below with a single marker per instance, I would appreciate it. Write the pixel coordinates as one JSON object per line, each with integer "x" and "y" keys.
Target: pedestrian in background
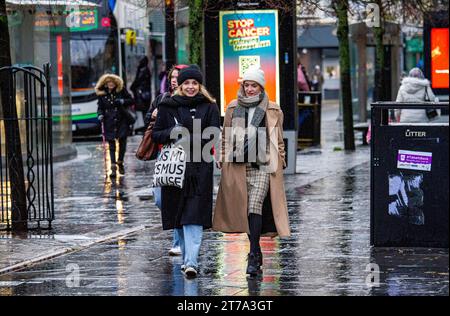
{"x": 251, "y": 191}
{"x": 414, "y": 88}
{"x": 316, "y": 82}
{"x": 189, "y": 210}
{"x": 302, "y": 82}
{"x": 141, "y": 86}
{"x": 173, "y": 81}
{"x": 317, "y": 79}
{"x": 113, "y": 102}
{"x": 163, "y": 82}
{"x": 307, "y": 78}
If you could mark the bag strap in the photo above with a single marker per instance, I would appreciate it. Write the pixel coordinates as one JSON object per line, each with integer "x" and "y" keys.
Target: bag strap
{"x": 427, "y": 97}
{"x": 175, "y": 118}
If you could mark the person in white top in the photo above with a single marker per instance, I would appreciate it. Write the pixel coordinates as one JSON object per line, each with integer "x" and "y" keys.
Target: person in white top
{"x": 414, "y": 88}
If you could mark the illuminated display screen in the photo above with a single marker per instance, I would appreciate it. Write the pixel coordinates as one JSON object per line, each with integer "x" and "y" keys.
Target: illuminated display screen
{"x": 76, "y": 21}
{"x": 79, "y": 21}
{"x": 439, "y": 58}
{"x": 247, "y": 39}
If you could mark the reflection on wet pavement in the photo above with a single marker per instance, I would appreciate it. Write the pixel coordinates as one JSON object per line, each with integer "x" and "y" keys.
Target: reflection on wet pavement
{"x": 327, "y": 254}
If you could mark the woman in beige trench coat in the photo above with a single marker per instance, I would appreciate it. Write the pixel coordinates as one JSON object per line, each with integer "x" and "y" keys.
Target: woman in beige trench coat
{"x": 251, "y": 197}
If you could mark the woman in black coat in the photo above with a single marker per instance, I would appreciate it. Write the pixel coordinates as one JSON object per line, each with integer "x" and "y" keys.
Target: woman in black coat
{"x": 113, "y": 101}
{"x": 141, "y": 86}
{"x": 189, "y": 210}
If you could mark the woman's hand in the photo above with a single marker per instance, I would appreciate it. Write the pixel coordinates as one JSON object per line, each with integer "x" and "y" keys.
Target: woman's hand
{"x": 154, "y": 114}
{"x": 219, "y": 164}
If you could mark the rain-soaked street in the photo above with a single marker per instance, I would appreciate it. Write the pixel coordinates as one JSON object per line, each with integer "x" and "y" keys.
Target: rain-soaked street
{"x": 328, "y": 253}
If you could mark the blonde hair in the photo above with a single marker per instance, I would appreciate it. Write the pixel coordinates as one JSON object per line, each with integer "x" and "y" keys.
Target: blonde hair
{"x": 202, "y": 90}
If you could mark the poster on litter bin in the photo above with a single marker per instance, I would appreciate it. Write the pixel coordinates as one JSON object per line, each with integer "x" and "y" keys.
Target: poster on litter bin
{"x": 414, "y": 160}
{"x": 248, "y": 39}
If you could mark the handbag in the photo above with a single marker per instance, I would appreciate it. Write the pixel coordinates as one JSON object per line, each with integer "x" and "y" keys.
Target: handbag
{"x": 147, "y": 150}
{"x": 130, "y": 115}
{"x": 170, "y": 166}
{"x": 431, "y": 113}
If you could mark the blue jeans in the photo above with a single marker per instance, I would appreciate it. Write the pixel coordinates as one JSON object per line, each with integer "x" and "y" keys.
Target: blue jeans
{"x": 157, "y": 196}
{"x": 190, "y": 241}
{"x": 176, "y": 239}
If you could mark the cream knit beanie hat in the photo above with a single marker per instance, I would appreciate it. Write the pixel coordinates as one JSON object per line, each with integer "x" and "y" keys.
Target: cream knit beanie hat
{"x": 255, "y": 74}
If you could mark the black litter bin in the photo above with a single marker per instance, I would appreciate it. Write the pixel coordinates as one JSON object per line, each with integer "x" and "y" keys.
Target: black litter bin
{"x": 409, "y": 180}
{"x": 309, "y": 118}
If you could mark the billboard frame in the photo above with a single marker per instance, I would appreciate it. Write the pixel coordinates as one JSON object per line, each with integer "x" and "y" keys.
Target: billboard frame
{"x": 275, "y": 36}
{"x": 432, "y": 20}
{"x": 287, "y": 54}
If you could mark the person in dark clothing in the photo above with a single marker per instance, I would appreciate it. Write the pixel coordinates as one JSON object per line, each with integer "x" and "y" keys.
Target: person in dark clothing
{"x": 173, "y": 80}
{"x": 189, "y": 209}
{"x": 163, "y": 80}
{"x": 113, "y": 100}
{"x": 141, "y": 86}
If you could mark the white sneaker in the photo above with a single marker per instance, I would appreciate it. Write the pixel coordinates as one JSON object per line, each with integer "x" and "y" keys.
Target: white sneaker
{"x": 190, "y": 272}
{"x": 175, "y": 251}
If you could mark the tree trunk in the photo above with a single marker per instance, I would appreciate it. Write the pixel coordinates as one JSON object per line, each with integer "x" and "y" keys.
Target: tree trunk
{"x": 19, "y": 214}
{"x": 195, "y": 31}
{"x": 341, "y": 7}
{"x": 170, "y": 34}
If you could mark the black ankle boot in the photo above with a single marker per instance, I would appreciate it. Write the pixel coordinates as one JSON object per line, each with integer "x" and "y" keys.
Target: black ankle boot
{"x": 259, "y": 257}
{"x": 113, "y": 171}
{"x": 253, "y": 265}
{"x": 121, "y": 168}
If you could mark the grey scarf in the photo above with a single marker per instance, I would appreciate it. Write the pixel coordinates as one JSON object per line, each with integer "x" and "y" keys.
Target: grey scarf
{"x": 260, "y": 101}
{"x": 246, "y": 142}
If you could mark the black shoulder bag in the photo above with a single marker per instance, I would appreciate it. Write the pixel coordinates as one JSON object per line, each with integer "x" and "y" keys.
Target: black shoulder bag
{"x": 431, "y": 113}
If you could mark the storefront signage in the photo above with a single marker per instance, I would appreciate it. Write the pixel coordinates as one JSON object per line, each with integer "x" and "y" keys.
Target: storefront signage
{"x": 79, "y": 21}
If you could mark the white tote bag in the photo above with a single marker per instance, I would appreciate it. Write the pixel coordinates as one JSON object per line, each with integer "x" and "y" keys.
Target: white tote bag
{"x": 170, "y": 166}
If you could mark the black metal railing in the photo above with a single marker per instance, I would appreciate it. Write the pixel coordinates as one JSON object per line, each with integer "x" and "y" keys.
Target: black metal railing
{"x": 30, "y": 114}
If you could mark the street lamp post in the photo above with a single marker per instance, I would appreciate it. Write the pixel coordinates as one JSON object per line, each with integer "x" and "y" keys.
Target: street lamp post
{"x": 170, "y": 33}
{"x": 19, "y": 216}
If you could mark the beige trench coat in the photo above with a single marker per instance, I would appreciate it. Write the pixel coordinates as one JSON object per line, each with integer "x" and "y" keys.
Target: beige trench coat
{"x": 230, "y": 214}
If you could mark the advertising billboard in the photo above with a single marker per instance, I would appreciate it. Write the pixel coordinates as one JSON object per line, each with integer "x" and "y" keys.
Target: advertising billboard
{"x": 439, "y": 58}
{"x": 248, "y": 39}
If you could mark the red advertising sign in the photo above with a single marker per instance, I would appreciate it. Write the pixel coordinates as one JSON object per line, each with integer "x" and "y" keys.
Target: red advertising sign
{"x": 59, "y": 56}
{"x": 439, "y": 58}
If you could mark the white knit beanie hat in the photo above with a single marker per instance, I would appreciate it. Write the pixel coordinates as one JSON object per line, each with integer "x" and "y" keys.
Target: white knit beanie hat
{"x": 255, "y": 74}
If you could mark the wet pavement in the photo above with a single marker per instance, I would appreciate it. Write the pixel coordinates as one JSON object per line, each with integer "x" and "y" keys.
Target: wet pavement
{"x": 328, "y": 253}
